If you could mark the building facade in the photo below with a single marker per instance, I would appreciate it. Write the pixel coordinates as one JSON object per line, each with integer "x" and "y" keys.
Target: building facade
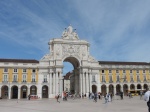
{"x": 44, "y": 78}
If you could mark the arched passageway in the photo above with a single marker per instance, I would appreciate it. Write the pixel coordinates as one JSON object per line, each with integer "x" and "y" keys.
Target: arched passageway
{"x": 14, "y": 90}
{"x": 94, "y": 88}
{"x": 111, "y": 89}
{"x": 118, "y": 88}
{"x": 45, "y": 91}
{"x": 33, "y": 90}
{"x": 74, "y": 76}
{"x": 103, "y": 89}
{"x": 4, "y": 92}
{"x": 139, "y": 86}
{"x": 125, "y": 89}
{"x": 24, "y": 92}
{"x": 132, "y": 87}
{"x": 145, "y": 86}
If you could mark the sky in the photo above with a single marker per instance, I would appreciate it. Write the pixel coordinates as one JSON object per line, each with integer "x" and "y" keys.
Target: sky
{"x": 117, "y": 30}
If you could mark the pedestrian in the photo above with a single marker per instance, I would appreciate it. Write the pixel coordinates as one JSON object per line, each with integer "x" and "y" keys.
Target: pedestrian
{"x": 57, "y": 98}
{"x": 106, "y": 98}
{"x": 141, "y": 93}
{"x": 109, "y": 98}
{"x": 95, "y": 97}
{"x": 29, "y": 97}
{"x": 147, "y": 99}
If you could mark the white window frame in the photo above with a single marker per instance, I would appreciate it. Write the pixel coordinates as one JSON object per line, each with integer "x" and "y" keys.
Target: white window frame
{"x": 131, "y": 71}
{"x": 15, "y": 70}
{"x": 24, "y": 78}
{"x": 45, "y": 78}
{"x": 24, "y": 70}
{"x": 103, "y": 78}
{"x": 124, "y": 71}
{"x": 15, "y": 76}
{"x": 33, "y": 78}
{"x": 110, "y": 71}
{"x": 6, "y": 70}
{"x": 5, "y": 79}
{"x": 93, "y": 78}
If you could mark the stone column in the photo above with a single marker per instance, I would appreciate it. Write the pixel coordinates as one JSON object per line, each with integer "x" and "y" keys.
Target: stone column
{"x": 9, "y": 92}
{"x": 57, "y": 82}
{"x": 28, "y": 90}
{"x": 107, "y": 91}
{"x": 87, "y": 83}
{"x": 54, "y": 83}
{"x": 83, "y": 83}
{"x": 0, "y": 92}
{"x": 90, "y": 76}
{"x": 98, "y": 83}
{"x": 50, "y": 85}
{"x": 18, "y": 92}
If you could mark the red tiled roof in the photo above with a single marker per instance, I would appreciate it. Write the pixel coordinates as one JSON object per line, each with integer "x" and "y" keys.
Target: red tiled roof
{"x": 123, "y": 63}
{"x": 19, "y": 60}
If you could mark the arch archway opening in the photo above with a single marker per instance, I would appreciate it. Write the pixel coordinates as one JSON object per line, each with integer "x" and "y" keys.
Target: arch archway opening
{"x": 24, "y": 90}
{"x": 14, "y": 92}
{"x": 4, "y": 92}
{"x": 94, "y": 89}
{"x": 125, "y": 89}
{"x": 103, "y": 89}
{"x": 45, "y": 91}
{"x": 71, "y": 75}
{"x": 111, "y": 89}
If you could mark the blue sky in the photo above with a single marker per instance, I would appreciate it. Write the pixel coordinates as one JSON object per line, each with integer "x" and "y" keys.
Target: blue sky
{"x": 118, "y": 30}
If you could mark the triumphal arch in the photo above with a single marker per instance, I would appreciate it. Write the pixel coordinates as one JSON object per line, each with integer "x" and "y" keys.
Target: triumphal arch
{"x": 69, "y": 48}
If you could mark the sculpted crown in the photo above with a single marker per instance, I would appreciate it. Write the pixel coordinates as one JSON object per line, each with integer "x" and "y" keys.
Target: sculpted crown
{"x": 70, "y": 33}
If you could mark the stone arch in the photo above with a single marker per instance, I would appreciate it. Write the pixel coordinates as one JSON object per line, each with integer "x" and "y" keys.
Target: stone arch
{"x": 94, "y": 89}
{"x": 73, "y": 60}
{"x": 4, "y": 92}
{"x": 118, "y": 88}
{"x": 45, "y": 91}
{"x": 132, "y": 87}
{"x": 75, "y": 76}
{"x": 103, "y": 89}
{"x": 14, "y": 92}
{"x": 145, "y": 87}
{"x": 111, "y": 89}
{"x": 139, "y": 86}
{"x": 125, "y": 89}
{"x": 24, "y": 91}
{"x": 33, "y": 90}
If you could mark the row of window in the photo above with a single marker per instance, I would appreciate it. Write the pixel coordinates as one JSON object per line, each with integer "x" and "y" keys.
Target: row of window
{"x": 124, "y": 71}
{"x": 24, "y": 78}
{"x": 15, "y": 78}
{"x": 123, "y": 79}
{"x": 16, "y": 70}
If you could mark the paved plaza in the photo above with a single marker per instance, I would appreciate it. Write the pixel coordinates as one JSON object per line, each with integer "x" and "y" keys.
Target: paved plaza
{"x": 78, "y": 105}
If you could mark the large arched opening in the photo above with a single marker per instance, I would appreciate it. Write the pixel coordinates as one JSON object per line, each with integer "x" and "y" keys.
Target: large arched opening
{"x": 14, "y": 90}
{"x": 94, "y": 89}
{"x": 125, "y": 89}
{"x": 72, "y": 75}
{"x": 33, "y": 90}
{"x": 24, "y": 91}
{"x": 4, "y": 92}
{"x": 111, "y": 89}
{"x": 118, "y": 88}
{"x": 103, "y": 89}
{"x": 45, "y": 91}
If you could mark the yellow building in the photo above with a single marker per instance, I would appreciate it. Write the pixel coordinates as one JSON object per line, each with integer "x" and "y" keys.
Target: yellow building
{"x": 18, "y": 78}
{"x": 124, "y": 76}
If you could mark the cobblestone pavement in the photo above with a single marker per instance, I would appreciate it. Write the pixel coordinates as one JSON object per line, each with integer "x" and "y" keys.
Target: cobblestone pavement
{"x": 78, "y": 105}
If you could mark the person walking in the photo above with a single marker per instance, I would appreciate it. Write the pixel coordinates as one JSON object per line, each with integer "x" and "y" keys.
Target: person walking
{"x": 141, "y": 93}
{"x": 147, "y": 99}
{"x": 57, "y": 98}
{"x": 29, "y": 97}
{"x": 106, "y": 98}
